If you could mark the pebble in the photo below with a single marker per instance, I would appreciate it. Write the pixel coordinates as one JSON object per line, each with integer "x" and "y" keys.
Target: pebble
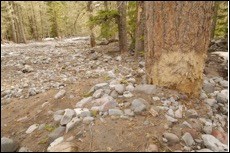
{"x": 153, "y": 112}
{"x": 191, "y": 113}
{"x": 88, "y": 120}
{"x": 64, "y": 147}
{"x": 156, "y": 98}
{"x": 171, "y": 138}
{"x": 32, "y": 128}
{"x": 208, "y": 87}
{"x": 145, "y": 88}
{"x": 72, "y": 123}
{"x": 129, "y": 112}
{"x": 186, "y": 124}
{"x": 152, "y": 148}
{"x": 120, "y": 88}
{"x": 130, "y": 87}
{"x": 84, "y": 101}
{"x": 115, "y": 112}
{"x": 221, "y": 98}
{"x": 55, "y": 143}
{"x": 170, "y": 112}
{"x": 178, "y": 112}
{"x": 138, "y": 105}
{"x": 127, "y": 94}
{"x": 98, "y": 93}
{"x": 66, "y": 118}
{"x": 188, "y": 139}
{"x": 114, "y": 94}
{"x": 24, "y": 149}
{"x": 170, "y": 119}
{"x": 207, "y": 129}
{"x": 60, "y": 94}
{"x": 210, "y": 101}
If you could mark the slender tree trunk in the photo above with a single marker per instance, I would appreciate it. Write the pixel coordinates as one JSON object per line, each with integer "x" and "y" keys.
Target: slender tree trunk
{"x": 214, "y": 19}
{"x": 21, "y": 29}
{"x": 92, "y": 37}
{"x": 122, "y": 31}
{"x": 13, "y": 29}
{"x": 34, "y": 22}
{"x": 176, "y": 41}
{"x": 41, "y": 19}
{"x": 139, "y": 34}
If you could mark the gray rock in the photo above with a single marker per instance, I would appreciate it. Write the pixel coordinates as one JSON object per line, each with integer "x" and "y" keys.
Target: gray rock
{"x": 170, "y": 112}
{"x": 72, "y": 123}
{"x": 210, "y": 101}
{"x": 127, "y": 94}
{"x": 129, "y": 112}
{"x": 8, "y": 145}
{"x": 138, "y": 105}
{"x": 120, "y": 88}
{"x": 108, "y": 105}
{"x": 64, "y": 147}
{"x": 171, "y": 138}
{"x": 207, "y": 129}
{"x": 88, "y": 120}
{"x": 204, "y": 150}
{"x": 60, "y": 94}
{"x": 118, "y": 58}
{"x": 55, "y": 143}
{"x": 188, "y": 139}
{"x": 146, "y": 88}
{"x": 203, "y": 96}
{"x": 57, "y": 118}
{"x": 213, "y": 144}
{"x": 186, "y": 124}
{"x": 101, "y": 86}
{"x": 27, "y": 69}
{"x": 98, "y": 93}
{"x": 208, "y": 87}
{"x": 24, "y": 149}
{"x": 129, "y": 87}
{"x": 66, "y": 118}
{"x": 59, "y": 112}
{"x": 32, "y": 128}
{"x": 152, "y": 148}
{"x": 178, "y": 112}
{"x": 170, "y": 119}
{"x": 56, "y": 133}
{"x": 115, "y": 112}
{"x": 82, "y": 112}
{"x": 114, "y": 94}
{"x": 221, "y": 98}
{"x": 192, "y": 113}
{"x": 224, "y": 83}
{"x": 94, "y": 56}
{"x": 84, "y": 101}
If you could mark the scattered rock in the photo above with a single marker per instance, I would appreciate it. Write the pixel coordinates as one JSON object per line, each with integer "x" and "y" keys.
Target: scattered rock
{"x": 84, "y": 101}
{"x": 129, "y": 112}
{"x": 178, "y": 112}
{"x": 8, "y": 145}
{"x": 138, "y": 105}
{"x": 24, "y": 149}
{"x": 56, "y": 133}
{"x": 108, "y": 105}
{"x": 32, "y": 128}
{"x": 221, "y": 98}
{"x": 101, "y": 86}
{"x": 55, "y": 143}
{"x": 207, "y": 129}
{"x": 64, "y": 147}
{"x": 72, "y": 123}
{"x": 191, "y": 113}
{"x": 153, "y": 112}
{"x": 152, "y": 148}
{"x": 170, "y": 112}
{"x": 82, "y": 112}
{"x": 214, "y": 144}
{"x": 186, "y": 124}
{"x": 188, "y": 139}
{"x": 120, "y": 88}
{"x": 171, "y": 138}
{"x": 88, "y": 120}
{"x": 118, "y": 58}
{"x": 156, "y": 98}
{"x": 60, "y": 94}
{"x": 130, "y": 87}
{"x": 114, "y": 94}
{"x": 98, "y": 93}
{"x": 208, "y": 87}
{"x": 66, "y": 118}
{"x": 127, "y": 94}
{"x": 57, "y": 118}
{"x": 115, "y": 112}
{"x": 210, "y": 101}
{"x": 224, "y": 83}
{"x": 27, "y": 69}
{"x": 223, "y": 137}
{"x": 170, "y": 119}
{"x": 145, "y": 88}
{"x": 204, "y": 150}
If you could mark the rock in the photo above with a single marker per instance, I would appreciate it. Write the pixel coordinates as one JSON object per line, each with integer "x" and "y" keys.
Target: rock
{"x": 55, "y": 143}
{"x": 208, "y": 87}
{"x": 32, "y": 128}
{"x": 72, "y": 123}
{"x": 131, "y": 80}
{"x": 152, "y": 148}
{"x": 221, "y": 98}
{"x": 64, "y": 147}
{"x": 27, "y": 69}
{"x": 84, "y": 101}
{"x": 108, "y": 105}
{"x": 57, "y": 118}
{"x": 214, "y": 144}
{"x": 170, "y": 119}
{"x": 171, "y": 138}
{"x": 221, "y": 136}
{"x": 59, "y": 112}
{"x": 207, "y": 129}
{"x": 224, "y": 83}
{"x": 178, "y": 112}
{"x": 41, "y": 126}
{"x": 115, "y": 112}
{"x": 188, "y": 139}
{"x": 66, "y": 118}
{"x": 129, "y": 87}
{"x": 101, "y": 86}
{"x": 24, "y": 149}
{"x": 94, "y": 56}
{"x": 145, "y": 88}
{"x": 186, "y": 124}
{"x": 203, "y": 96}
{"x": 170, "y": 112}
{"x": 114, "y": 94}
{"x": 210, "y": 101}
{"x": 153, "y": 112}
{"x": 98, "y": 93}
{"x": 138, "y": 105}
{"x": 111, "y": 74}
{"x": 82, "y": 112}
{"x": 127, "y": 94}
{"x": 88, "y": 120}
{"x": 156, "y": 98}
{"x": 129, "y": 112}
{"x": 8, "y": 145}
{"x": 60, "y": 94}
{"x": 204, "y": 150}
{"x": 118, "y": 58}
{"x": 120, "y": 88}
{"x": 56, "y": 133}
{"x": 191, "y": 113}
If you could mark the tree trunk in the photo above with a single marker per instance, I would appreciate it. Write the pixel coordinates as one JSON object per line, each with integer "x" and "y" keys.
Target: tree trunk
{"x": 214, "y": 19}
{"x": 139, "y": 34}
{"x": 21, "y": 27}
{"x": 92, "y": 37}
{"x": 13, "y": 29}
{"x": 122, "y": 31}
{"x": 106, "y": 5}
{"x": 176, "y": 42}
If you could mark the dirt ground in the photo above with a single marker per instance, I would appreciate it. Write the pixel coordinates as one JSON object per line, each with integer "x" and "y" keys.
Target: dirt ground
{"x": 110, "y": 135}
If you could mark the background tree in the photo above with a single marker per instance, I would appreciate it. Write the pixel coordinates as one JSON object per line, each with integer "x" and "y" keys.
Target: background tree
{"x": 176, "y": 42}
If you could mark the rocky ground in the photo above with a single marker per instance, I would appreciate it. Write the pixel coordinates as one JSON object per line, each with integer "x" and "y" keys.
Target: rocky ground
{"x": 60, "y": 95}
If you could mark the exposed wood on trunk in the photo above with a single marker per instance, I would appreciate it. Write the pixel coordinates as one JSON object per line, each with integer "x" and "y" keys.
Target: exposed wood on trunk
{"x": 176, "y": 43}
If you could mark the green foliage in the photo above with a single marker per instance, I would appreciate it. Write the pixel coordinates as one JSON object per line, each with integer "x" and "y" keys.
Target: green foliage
{"x": 106, "y": 19}
{"x": 222, "y": 20}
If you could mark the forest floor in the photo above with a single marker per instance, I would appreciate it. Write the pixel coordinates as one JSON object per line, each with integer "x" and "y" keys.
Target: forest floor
{"x": 32, "y": 74}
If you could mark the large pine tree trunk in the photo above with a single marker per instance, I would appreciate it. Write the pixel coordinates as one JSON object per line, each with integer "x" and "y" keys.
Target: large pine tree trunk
{"x": 139, "y": 34}
{"x": 176, "y": 41}
{"x": 122, "y": 31}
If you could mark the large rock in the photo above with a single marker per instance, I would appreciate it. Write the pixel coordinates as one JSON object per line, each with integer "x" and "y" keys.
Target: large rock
{"x": 84, "y": 101}
{"x": 55, "y": 143}
{"x": 188, "y": 139}
{"x": 138, "y": 105}
{"x": 171, "y": 138}
{"x": 224, "y": 83}
{"x": 60, "y": 94}
{"x": 8, "y": 145}
{"x": 66, "y": 118}
{"x": 221, "y": 98}
{"x": 146, "y": 88}
{"x": 214, "y": 144}
{"x": 72, "y": 123}
{"x": 64, "y": 147}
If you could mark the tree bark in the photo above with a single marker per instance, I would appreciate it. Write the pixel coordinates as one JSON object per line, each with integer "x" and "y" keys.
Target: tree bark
{"x": 214, "y": 19}
{"x": 92, "y": 37}
{"x": 176, "y": 43}
{"x": 122, "y": 31}
{"x": 139, "y": 33}
{"x": 13, "y": 29}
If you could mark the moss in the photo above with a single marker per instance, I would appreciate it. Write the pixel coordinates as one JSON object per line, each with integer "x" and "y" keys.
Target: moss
{"x": 49, "y": 127}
